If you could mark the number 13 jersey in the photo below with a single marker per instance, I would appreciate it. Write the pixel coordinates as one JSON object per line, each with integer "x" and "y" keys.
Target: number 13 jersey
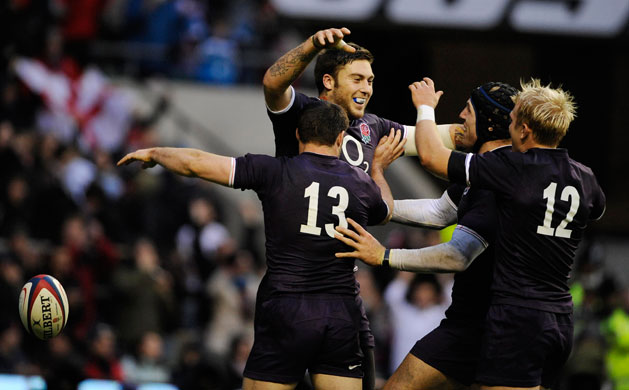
{"x": 304, "y": 198}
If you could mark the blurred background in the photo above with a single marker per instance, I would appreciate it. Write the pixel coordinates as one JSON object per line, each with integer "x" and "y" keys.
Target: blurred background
{"x": 161, "y": 271}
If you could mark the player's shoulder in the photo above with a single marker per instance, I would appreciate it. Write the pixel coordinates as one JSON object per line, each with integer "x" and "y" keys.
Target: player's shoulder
{"x": 263, "y": 160}
{"x": 581, "y": 167}
{"x": 374, "y": 120}
{"x": 302, "y": 100}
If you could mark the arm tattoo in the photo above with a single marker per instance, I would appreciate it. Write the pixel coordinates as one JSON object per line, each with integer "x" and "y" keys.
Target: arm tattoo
{"x": 294, "y": 61}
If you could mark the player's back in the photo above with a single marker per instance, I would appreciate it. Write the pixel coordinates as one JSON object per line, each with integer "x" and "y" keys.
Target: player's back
{"x": 304, "y": 198}
{"x": 545, "y": 200}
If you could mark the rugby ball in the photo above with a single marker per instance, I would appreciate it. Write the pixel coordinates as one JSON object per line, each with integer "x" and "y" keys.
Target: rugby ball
{"x": 43, "y": 307}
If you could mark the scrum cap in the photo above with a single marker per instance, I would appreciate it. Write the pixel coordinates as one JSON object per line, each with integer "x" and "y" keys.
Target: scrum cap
{"x": 492, "y": 104}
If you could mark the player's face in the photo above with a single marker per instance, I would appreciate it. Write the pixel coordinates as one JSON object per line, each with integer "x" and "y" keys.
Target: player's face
{"x": 465, "y": 136}
{"x": 353, "y": 88}
{"x": 514, "y": 130}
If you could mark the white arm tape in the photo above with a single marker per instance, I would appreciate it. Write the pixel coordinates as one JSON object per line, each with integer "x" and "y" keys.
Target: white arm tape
{"x": 425, "y": 113}
{"x": 410, "y": 148}
{"x": 453, "y": 256}
{"x": 428, "y": 213}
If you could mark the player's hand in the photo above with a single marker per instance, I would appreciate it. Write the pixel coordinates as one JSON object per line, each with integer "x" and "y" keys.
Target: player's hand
{"x": 388, "y": 150}
{"x": 142, "y": 155}
{"x": 332, "y": 38}
{"x": 367, "y": 248}
{"x": 423, "y": 92}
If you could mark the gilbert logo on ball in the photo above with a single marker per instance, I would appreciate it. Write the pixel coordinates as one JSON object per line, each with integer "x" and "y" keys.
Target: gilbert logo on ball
{"x": 43, "y": 307}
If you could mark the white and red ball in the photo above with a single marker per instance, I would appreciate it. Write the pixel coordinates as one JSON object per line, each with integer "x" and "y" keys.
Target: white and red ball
{"x": 43, "y": 307}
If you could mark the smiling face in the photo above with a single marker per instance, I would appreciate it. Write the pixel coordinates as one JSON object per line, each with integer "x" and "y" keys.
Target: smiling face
{"x": 352, "y": 88}
{"x": 465, "y": 136}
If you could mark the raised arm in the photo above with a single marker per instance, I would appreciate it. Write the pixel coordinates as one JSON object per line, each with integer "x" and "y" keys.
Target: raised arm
{"x": 453, "y": 256}
{"x": 279, "y": 77}
{"x": 433, "y": 155}
{"x": 185, "y": 162}
{"x": 389, "y": 148}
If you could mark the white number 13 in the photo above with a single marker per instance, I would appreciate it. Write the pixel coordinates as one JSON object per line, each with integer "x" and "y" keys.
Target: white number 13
{"x": 312, "y": 192}
{"x": 568, "y": 193}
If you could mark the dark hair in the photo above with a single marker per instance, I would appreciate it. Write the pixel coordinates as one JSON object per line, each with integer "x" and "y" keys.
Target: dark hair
{"x": 492, "y": 104}
{"x": 330, "y": 61}
{"x": 321, "y": 122}
{"x": 420, "y": 279}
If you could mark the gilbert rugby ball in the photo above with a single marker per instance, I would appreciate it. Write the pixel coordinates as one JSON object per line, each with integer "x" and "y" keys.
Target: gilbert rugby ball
{"x": 43, "y": 307}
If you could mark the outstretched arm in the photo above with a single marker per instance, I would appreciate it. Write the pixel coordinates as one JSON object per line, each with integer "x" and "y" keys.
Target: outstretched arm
{"x": 427, "y": 213}
{"x": 453, "y": 256}
{"x": 185, "y": 162}
{"x": 279, "y": 77}
{"x": 446, "y": 132}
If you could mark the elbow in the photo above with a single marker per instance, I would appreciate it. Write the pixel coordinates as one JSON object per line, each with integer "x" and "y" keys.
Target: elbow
{"x": 267, "y": 80}
{"x": 270, "y": 83}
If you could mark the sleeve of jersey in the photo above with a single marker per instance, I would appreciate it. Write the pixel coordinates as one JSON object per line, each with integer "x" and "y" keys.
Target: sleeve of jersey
{"x": 453, "y": 256}
{"x": 481, "y": 216}
{"x": 490, "y": 171}
{"x": 385, "y": 126}
{"x": 253, "y": 171}
{"x": 428, "y": 213}
{"x": 378, "y": 208}
{"x": 285, "y": 122}
{"x": 599, "y": 204}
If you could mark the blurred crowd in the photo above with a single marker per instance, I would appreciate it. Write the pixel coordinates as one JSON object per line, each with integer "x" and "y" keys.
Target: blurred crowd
{"x": 160, "y": 289}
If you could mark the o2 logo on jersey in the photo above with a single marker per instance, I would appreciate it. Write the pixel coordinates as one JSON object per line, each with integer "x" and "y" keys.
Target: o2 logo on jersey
{"x": 312, "y": 193}
{"x": 360, "y": 157}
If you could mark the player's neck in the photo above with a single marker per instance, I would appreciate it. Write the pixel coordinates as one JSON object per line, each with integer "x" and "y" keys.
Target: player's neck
{"x": 491, "y": 145}
{"x": 531, "y": 144}
{"x": 326, "y": 150}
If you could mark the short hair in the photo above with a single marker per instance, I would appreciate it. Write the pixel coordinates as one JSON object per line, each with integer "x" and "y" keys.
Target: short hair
{"x": 330, "y": 61}
{"x": 547, "y": 111}
{"x": 321, "y": 122}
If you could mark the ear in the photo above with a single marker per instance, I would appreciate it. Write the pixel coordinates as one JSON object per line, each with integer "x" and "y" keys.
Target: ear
{"x": 328, "y": 82}
{"x": 525, "y": 132}
{"x": 339, "y": 139}
{"x": 297, "y": 135}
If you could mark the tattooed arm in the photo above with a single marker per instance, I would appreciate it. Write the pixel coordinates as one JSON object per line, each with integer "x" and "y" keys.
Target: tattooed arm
{"x": 290, "y": 66}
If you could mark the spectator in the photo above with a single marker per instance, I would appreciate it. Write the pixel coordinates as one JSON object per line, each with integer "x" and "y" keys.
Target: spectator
{"x": 232, "y": 289}
{"x": 201, "y": 239}
{"x": 147, "y": 364}
{"x": 63, "y": 368}
{"x": 102, "y": 361}
{"x": 143, "y": 294}
{"x": 416, "y": 302}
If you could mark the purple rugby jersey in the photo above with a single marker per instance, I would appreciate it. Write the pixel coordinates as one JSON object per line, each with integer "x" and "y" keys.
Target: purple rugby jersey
{"x": 544, "y": 201}
{"x": 304, "y": 198}
{"x": 359, "y": 144}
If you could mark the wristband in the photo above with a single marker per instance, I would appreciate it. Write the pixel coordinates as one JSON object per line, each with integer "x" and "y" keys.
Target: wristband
{"x": 316, "y": 44}
{"x": 385, "y": 260}
{"x": 425, "y": 112}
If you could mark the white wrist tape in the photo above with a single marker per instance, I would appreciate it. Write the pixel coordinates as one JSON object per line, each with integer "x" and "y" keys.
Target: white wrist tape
{"x": 425, "y": 112}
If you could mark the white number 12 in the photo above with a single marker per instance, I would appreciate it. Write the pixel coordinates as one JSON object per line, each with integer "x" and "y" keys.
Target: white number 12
{"x": 312, "y": 193}
{"x": 568, "y": 193}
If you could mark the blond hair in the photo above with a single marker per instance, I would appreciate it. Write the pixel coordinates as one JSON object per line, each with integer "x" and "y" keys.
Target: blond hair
{"x": 547, "y": 111}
